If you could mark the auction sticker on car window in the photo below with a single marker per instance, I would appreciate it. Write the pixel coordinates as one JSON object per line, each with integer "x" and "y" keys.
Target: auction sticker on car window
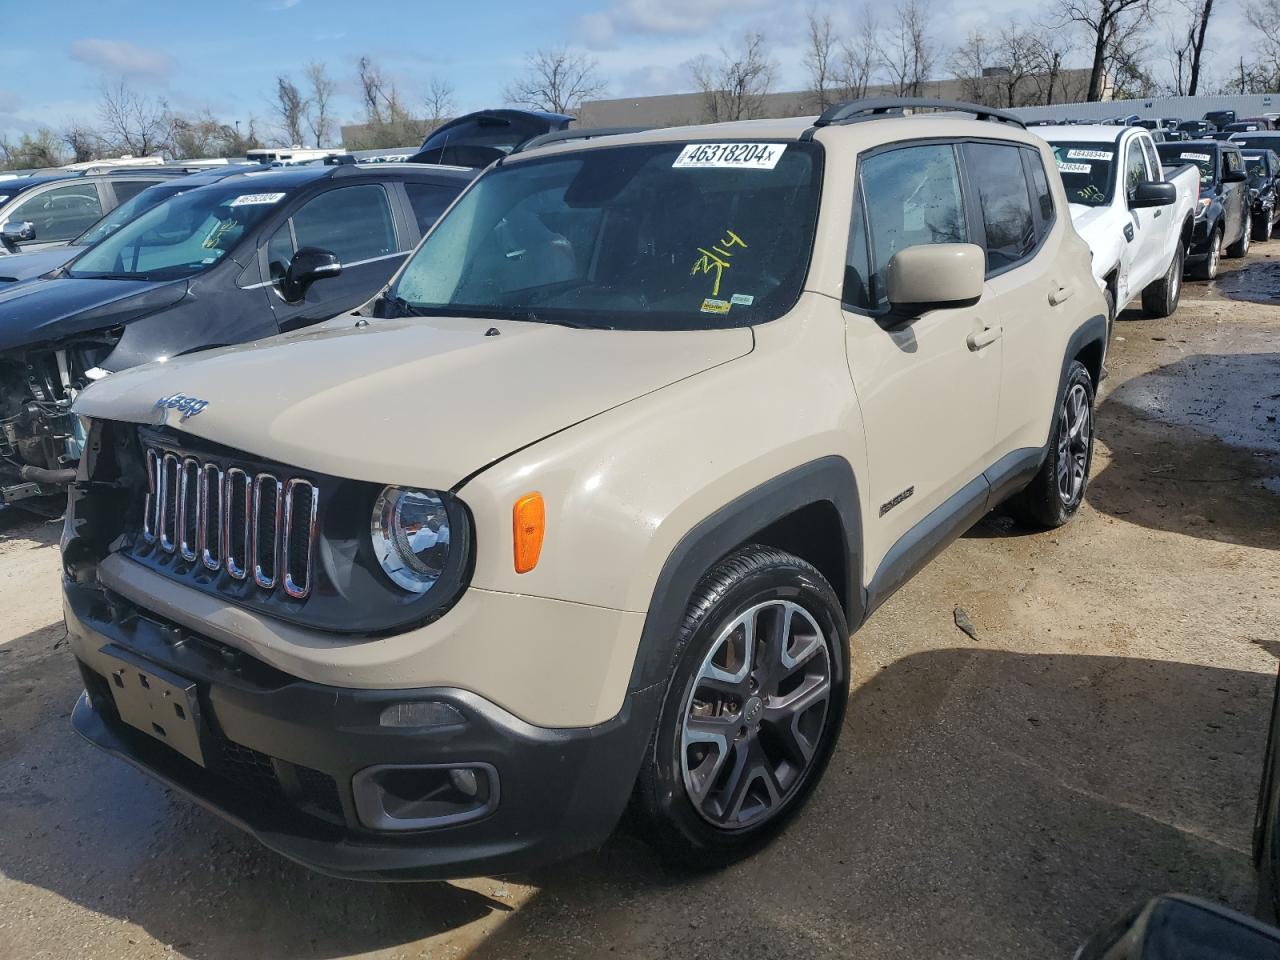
{"x": 1204, "y": 157}
{"x": 1090, "y": 154}
{"x": 1074, "y": 167}
{"x": 715, "y": 306}
{"x": 245, "y": 199}
{"x": 752, "y": 156}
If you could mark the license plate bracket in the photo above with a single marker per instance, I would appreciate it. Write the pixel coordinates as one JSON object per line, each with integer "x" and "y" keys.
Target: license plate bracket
{"x": 161, "y": 704}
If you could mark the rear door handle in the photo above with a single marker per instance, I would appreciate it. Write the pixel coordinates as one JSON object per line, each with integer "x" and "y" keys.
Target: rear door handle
{"x": 984, "y": 337}
{"x": 1060, "y": 295}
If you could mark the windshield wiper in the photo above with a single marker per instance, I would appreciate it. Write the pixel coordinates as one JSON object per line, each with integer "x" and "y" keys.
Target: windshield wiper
{"x": 404, "y": 308}
{"x": 533, "y": 316}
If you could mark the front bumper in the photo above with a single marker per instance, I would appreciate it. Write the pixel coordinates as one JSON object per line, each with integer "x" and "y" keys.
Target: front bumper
{"x": 281, "y": 755}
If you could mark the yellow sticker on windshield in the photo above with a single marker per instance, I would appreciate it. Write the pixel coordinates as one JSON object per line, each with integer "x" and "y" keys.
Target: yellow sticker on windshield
{"x": 718, "y": 259}
{"x": 715, "y": 306}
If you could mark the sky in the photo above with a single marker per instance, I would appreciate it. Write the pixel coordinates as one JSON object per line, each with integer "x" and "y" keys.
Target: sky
{"x": 225, "y": 55}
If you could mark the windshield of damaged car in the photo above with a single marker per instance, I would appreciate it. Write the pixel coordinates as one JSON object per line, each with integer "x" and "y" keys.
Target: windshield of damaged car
{"x": 653, "y": 236}
{"x": 117, "y": 218}
{"x": 1088, "y": 171}
{"x": 1256, "y": 168}
{"x": 180, "y": 237}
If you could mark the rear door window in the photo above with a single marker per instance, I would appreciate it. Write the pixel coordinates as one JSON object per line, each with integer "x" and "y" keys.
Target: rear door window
{"x": 1004, "y": 197}
{"x": 428, "y": 201}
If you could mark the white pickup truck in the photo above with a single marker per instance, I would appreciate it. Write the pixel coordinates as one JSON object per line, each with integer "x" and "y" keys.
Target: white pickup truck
{"x": 1135, "y": 215}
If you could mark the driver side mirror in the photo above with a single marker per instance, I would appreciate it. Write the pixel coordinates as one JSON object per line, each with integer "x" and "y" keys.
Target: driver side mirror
{"x": 1152, "y": 193}
{"x": 1234, "y": 176}
{"x": 1174, "y": 927}
{"x": 307, "y": 266}
{"x": 935, "y": 275}
{"x": 18, "y": 231}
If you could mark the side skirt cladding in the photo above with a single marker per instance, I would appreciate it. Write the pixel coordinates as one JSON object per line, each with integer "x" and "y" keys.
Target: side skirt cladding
{"x": 829, "y": 480}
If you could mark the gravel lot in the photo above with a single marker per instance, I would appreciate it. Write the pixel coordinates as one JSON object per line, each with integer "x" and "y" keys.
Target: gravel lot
{"x": 1098, "y": 742}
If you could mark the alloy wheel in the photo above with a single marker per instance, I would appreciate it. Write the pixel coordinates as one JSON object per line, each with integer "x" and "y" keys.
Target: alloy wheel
{"x": 1074, "y": 431}
{"x": 1215, "y": 254}
{"x": 755, "y": 715}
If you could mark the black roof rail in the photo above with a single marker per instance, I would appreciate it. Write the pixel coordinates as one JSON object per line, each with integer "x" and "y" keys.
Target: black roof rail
{"x": 856, "y": 111}
{"x": 581, "y": 133}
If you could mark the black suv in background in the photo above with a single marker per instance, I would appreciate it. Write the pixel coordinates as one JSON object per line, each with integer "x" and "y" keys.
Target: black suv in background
{"x": 477, "y": 139}
{"x": 28, "y": 265}
{"x": 252, "y": 255}
{"x": 55, "y": 207}
{"x": 1220, "y": 118}
{"x": 1263, "y": 168}
{"x": 1222, "y": 212}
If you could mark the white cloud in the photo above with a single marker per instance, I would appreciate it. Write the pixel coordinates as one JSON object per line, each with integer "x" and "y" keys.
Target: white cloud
{"x": 122, "y": 59}
{"x": 283, "y": 4}
{"x": 625, "y": 20}
{"x": 9, "y": 101}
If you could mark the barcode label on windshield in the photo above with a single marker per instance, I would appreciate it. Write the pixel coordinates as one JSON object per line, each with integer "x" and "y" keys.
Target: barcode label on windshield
{"x": 1090, "y": 154}
{"x": 755, "y": 156}
{"x": 1196, "y": 156}
{"x": 1073, "y": 167}
{"x": 249, "y": 198}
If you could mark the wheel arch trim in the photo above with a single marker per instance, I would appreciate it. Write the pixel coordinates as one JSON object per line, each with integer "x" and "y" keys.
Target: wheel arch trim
{"x": 826, "y": 480}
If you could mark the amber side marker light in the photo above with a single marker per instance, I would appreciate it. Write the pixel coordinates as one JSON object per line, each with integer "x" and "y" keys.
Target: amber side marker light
{"x": 530, "y": 519}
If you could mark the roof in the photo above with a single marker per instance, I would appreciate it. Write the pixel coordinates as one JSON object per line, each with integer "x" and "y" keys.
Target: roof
{"x": 1085, "y": 133}
{"x": 18, "y": 184}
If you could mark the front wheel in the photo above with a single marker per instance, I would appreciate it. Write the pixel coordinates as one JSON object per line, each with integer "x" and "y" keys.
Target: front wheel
{"x": 752, "y": 712}
{"x": 1241, "y": 246}
{"x": 1160, "y": 298}
{"x": 1207, "y": 269}
{"x": 1057, "y": 490}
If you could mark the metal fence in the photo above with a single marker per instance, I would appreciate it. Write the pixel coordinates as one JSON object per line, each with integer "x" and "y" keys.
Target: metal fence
{"x": 1186, "y": 108}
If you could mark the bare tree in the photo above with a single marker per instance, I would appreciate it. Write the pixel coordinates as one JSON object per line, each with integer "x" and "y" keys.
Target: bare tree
{"x": 557, "y": 80}
{"x": 439, "y": 101}
{"x": 859, "y": 56}
{"x": 132, "y": 123}
{"x": 907, "y": 49}
{"x": 290, "y": 107}
{"x": 202, "y": 135}
{"x": 821, "y": 60}
{"x": 320, "y": 92}
{"x": 1263, "y": 15}
{"x": 969, "y": 64}
{"x": 1200, "y": 10}
{"x": 42, "y": 149}
{"x": 734, "y": 87}
{"x": 82, "y": 140}
{"x": 1050, "y": 46}
{"x": 1103, "y": 21}
{"x": 375, "y": 91}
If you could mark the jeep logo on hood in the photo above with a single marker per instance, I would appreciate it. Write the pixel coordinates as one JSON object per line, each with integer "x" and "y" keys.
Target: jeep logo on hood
{"x": 187, "y": 406}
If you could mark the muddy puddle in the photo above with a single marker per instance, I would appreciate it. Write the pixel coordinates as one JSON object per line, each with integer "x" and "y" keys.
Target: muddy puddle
{"x": 1257, "y": 282}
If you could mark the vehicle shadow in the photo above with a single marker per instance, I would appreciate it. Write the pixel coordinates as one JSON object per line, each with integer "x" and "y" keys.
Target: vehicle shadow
{"x": 981, "y": 803}
{"x": 1196, "y": 449}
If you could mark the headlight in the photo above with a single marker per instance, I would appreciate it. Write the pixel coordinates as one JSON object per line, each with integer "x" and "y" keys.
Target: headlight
{"x": 410, "y": 530}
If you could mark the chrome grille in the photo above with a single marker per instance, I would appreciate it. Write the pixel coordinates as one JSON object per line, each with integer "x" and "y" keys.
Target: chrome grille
{"x": 234, "y": 520}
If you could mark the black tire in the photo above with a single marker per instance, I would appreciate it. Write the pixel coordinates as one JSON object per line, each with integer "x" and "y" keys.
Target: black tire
{"x": 1160, "y": 298}
{"x": 1241, "y": 246}
{"x": 1262, "y": 229}
{"x": 1207, "y": 269}
{"x": 1042, "y": 503}
{"x": 667, "y": 813}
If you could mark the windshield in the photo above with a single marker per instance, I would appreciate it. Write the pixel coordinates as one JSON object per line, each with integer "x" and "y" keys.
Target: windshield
{"x": 1087, "y": 171}
{"x": 654, "y": 236}
{"x": 117, "y": 218}
{"x": 1204, "y": 161}
{"x": 180, "y": 237}
{"x": 1256, "y": 167}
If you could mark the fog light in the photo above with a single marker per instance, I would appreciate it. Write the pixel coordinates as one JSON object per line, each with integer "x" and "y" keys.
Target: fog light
{"x": 429, "y": 713}
{"x": 464, "y": 781}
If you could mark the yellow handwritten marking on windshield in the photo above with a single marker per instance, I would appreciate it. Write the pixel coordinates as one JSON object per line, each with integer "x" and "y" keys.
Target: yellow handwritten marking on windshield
{"x": 216, "y": 233}
{"x": 1089, "y": 193}
{"x": 717, "y": 259}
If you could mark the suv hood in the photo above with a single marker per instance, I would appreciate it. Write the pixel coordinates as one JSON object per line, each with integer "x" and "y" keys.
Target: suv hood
{"x": 24, "y": 266}
{"x": 44, "y": 310}
{"x": 421, "y": 401}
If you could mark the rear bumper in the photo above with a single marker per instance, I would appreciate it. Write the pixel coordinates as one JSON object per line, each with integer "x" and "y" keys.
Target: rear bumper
{"x": 281, "y": 756}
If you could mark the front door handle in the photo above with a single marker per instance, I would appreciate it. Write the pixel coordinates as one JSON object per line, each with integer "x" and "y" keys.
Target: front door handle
{"x": 984, "y": 337}
{"x": 1060, "y": 295}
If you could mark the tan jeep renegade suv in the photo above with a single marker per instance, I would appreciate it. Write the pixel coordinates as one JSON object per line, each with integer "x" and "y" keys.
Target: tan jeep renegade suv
{"x": 581, "y": 511}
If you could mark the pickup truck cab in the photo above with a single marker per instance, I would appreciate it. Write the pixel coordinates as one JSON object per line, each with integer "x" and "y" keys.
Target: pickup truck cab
{"x": 581, "y": 511}
{"x": 1136, "y": 217}
{"x": 1223, "y": 218}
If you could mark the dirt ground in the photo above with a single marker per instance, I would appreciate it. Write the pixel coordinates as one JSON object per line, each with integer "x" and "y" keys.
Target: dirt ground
{"x": 1098, "y": 742}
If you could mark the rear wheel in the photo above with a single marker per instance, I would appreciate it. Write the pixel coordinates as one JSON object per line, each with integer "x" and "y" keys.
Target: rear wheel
{"x": 1262, "y": 229}
{"x": 1241, "y": 246}
{"x": 1055, "y": 494}
{"x": 1160, "y": 298}
{"x": 752, "y": 711}
{"x": 1207, "y": 269}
